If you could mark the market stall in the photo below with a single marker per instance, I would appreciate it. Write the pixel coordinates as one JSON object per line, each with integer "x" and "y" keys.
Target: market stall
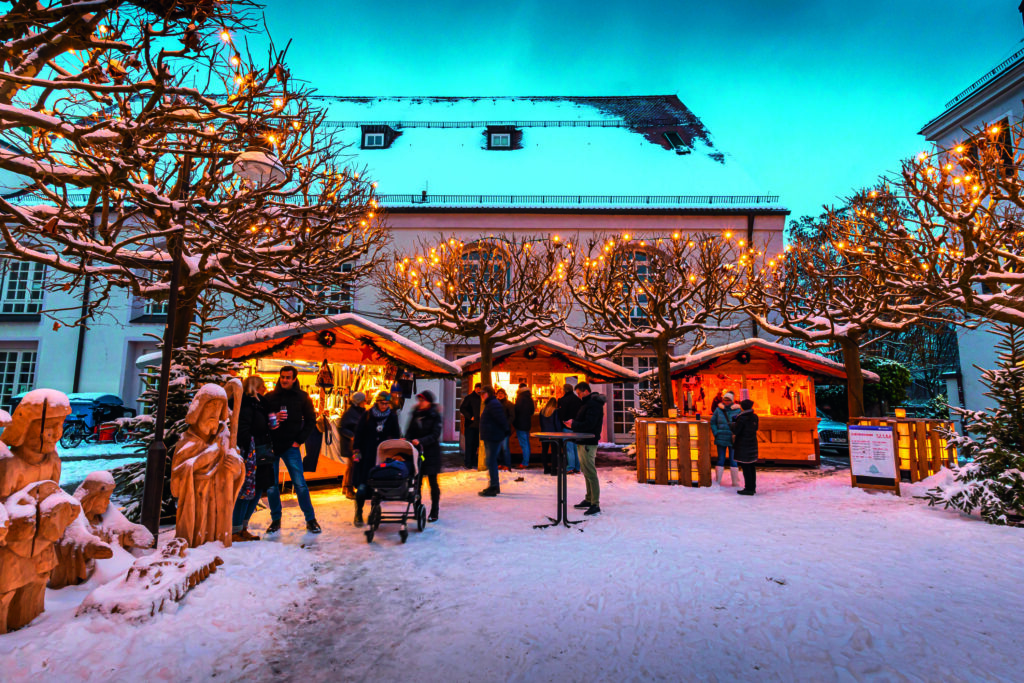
{"x": 545, "y": 366}
{"x": 335, "y": 357}
{"x": 779, "y": 379}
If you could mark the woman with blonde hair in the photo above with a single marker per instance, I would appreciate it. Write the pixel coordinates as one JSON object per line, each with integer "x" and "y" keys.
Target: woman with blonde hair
{"x": 255, "y": 448}
{"x": 549, "y": 422}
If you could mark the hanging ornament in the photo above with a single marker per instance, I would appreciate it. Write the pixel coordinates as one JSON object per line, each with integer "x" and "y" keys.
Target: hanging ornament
{"x": 325, "y": 378}
{"x": 530, "y": 353}
{"x": 327, "y": 338}
{"x": 743, "y": 357}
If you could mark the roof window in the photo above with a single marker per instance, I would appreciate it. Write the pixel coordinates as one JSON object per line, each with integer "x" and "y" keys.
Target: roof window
{"x": 675, "y": 142}
{"x": 373, "y": 140}
{"x": 504, "y": 137}
{"x": 377, "y": 136}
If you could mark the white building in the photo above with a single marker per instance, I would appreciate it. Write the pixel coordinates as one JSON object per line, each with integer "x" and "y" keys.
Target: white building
{"x": 995, "y": 98}
{"x": 463, "y": 167}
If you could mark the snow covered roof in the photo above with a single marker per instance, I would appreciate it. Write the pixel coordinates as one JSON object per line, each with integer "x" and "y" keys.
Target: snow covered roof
{"x": 568, "y": 152}
{"x": 597, "y": 370}
{"x": 811, "y": 363}
{"x": 357, "y": 341}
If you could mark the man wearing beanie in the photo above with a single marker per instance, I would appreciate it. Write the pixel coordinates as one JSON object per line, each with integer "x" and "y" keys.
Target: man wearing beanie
{"x": 347, "y": 429}
{"x": 424, "y": 432}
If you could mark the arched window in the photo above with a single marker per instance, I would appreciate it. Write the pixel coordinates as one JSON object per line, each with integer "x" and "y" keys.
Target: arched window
{"x": 485, "y": 276}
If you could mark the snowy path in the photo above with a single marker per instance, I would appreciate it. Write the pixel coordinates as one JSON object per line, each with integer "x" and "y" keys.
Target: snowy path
{"x": 809, "y": 580}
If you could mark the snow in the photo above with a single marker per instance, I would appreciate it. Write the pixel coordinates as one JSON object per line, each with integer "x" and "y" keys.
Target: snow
{"x": 102, "y": 476}
{"x": 584, "y": 160}
{"x": 508, "y": 349}
{"x": 52, "y": 397}
{"x": 5, "y": 418}
{"x": 76, "y": 471}
{"x": 808, "y": 580}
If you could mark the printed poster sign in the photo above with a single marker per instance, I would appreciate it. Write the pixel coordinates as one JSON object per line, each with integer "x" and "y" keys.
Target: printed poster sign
{"x": 871, "y": 452}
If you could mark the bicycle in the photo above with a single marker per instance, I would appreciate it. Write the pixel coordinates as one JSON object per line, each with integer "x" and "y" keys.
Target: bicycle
{"x": 76, "y": 431}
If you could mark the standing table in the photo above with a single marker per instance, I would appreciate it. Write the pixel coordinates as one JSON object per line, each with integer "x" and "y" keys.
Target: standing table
{"x": 562, "y": 503}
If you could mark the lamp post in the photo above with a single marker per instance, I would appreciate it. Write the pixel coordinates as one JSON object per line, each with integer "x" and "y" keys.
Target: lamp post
{"x": 260, "y": 167}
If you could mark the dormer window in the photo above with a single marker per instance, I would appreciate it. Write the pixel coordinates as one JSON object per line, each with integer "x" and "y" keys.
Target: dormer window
{"x": 377, "y": 136}
{"x": 503, "y": 137}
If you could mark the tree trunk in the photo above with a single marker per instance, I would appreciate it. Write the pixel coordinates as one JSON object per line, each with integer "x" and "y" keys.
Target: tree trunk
{"x": 854, "y": 378}
{"x": 664, "y": 377}
{"x": 486, "y": 363}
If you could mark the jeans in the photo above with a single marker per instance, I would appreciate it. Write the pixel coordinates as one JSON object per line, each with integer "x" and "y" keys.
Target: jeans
{"x": 524, "y": 444}
{"x": 503, "y": 451}
{"x": 293, "y": 461}
{"x": 725, "y": 456}
{"x": 572, "y": 458}
{"x": 549, "y": 455}
{"x": 588, "y": 461}
{"x": 492, "y": 449}
{"x": 244, "y": 510}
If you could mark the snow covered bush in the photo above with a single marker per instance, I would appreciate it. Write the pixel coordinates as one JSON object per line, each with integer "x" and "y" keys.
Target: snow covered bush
{"x": 992, "y": 482}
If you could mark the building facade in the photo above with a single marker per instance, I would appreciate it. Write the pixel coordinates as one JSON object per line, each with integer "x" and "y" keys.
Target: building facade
{"x": 466, "y": 168}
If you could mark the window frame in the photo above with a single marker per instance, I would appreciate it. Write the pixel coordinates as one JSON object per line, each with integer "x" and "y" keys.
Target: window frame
{"x": 29, "y": 290}
{"x": 496, "y": 145}
{"x": 17, "y": 373}
{"x": 367, "y": 144}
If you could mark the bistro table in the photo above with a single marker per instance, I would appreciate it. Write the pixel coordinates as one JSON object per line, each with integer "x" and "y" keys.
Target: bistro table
{"x": 562, "y": 503}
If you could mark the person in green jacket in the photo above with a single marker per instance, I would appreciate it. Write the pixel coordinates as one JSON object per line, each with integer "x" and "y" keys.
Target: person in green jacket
{"x": 721, "y": 428}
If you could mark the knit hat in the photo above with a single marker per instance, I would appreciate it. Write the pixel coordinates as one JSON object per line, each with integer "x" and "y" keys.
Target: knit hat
{"x": 746, "y": 404}
{"x": 384, "y": 396}
{"x": 427, "y": 396}
{"x": 358, "y": 398}
{"x": 729, "y": 395}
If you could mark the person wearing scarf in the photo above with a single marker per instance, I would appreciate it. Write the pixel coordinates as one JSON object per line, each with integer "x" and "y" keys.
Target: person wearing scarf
{"x": 377, "y": 425}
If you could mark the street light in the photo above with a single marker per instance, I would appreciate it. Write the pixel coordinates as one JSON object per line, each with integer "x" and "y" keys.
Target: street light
{"x": 260, "y": 167}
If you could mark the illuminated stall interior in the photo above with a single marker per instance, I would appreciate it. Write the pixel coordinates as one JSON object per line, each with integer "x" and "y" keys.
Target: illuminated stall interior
{"x": 351, "y": 352}
{"x": 779, "y": 379}
{"x": 545, "y": 366}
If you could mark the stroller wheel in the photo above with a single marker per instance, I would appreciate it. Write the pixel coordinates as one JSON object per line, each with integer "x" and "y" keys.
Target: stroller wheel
{"x": 374, "y": 521}
{"x": 403, "y": 534}
{"x": 369, "y": 535}
{"x": 421, "y": 518}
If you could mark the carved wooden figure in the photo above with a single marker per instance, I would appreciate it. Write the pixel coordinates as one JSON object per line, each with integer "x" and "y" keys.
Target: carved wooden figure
{"x": 90, "y": 536}
{"x": 206, "y": 471}
{"x": 37, "y": 510}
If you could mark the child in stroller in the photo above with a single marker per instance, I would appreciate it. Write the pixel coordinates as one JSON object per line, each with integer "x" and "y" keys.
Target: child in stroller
{"x": 395, "y": 477}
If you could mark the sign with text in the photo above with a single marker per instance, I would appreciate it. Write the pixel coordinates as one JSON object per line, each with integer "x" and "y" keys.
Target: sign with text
{"x": 873, "y": 458}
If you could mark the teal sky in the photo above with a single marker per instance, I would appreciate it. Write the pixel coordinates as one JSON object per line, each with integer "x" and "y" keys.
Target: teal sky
{"x": 814, "y": 99}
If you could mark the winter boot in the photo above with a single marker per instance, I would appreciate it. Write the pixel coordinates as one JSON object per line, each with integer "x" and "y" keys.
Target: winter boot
{"x": 434, "y": 501}
{"x": 358, "y": 521}
{"x": 275, "y": 526}
{"x": 490, "y": 491}
{"x": 718, "y": 475}
{"x": 734, "y": 476}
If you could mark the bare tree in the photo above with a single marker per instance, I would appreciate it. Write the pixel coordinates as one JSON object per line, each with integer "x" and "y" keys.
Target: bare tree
{"x": 657, "y": 292}
{"x": 492, "y": 291}
{"x": 131, "y": 165}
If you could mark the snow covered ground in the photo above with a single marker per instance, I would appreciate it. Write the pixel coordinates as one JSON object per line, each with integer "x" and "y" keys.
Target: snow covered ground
{"x": 808, "y": 580}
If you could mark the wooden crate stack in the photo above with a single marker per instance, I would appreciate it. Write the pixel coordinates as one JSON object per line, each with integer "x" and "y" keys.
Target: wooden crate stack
{"x": 673, "y": 451}
{"x": 920, "y": 449}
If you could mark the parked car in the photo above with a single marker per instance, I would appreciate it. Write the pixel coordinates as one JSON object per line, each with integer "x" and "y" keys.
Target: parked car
{"x": 832, "y": 435}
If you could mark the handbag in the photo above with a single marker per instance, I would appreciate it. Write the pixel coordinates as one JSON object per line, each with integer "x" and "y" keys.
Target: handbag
{"x": 265, "y": 454}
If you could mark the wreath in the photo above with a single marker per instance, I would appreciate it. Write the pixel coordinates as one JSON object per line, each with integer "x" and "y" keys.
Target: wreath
{"x": 743, "y": 357}
{"x": 327, "y": 338}
{"x": 530, "y": 353}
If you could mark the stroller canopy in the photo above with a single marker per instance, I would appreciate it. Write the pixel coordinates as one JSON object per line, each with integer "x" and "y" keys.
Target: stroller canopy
{"x": 399, "y": 448}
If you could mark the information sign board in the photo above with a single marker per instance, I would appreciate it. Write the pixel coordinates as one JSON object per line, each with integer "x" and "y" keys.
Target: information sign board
{"x": 873, "y": 458}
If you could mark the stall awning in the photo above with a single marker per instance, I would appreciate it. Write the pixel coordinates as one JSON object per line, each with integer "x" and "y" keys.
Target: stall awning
{"x": 597, "y": 371}
{"x": 797, "y": 359}
{"x": 342, "y": 338}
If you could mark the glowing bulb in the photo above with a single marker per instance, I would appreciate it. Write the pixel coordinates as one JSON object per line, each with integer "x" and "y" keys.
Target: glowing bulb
{"x": 235, "y": 61}
{"x": 225, "y": 36}
{"x": 278, "y": 103}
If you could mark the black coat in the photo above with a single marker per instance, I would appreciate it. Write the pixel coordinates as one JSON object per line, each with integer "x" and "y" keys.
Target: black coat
{"x": 347, "y": 428}
{"x": 744, "y": 429}
{"x": 301, "y": 417}
{"x": 590, "y": 418}
{"x": 524, "y": 410}
{"x": 550, "y": 423}
{"x": 252, "y": 423}
{"x": 470, "y": 409}
{"x": 494, "y": 421}
{"x": 425, "y": 426}
{"x": 510, "y": 413}
{"x": 370, "y": 433}
{"x": 568, "y": 406}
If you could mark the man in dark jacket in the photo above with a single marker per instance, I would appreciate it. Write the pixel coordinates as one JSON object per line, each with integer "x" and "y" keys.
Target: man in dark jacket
{"x": 493, "y": 430}
{"x": 424, "y": 432}
{"x": 347, "y": 430}
{"x": 522, "y": 421}
{"x": 744, "y": 428}
{"x": 470, "y": 409}
{"x": 589, "y": 420}
{"x": 296, "y": 419}
{"x": 568, "y": 407}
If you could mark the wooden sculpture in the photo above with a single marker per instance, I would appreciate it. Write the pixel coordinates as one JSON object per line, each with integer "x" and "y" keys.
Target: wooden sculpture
{"x": 37, "y": 512}
{"x": 206, "y": 471}
{"x": 154, "y": 582}
{"x": 91, "y": 535}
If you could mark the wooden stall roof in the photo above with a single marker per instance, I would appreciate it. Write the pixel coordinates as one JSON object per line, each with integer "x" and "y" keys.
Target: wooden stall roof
{"x": 597, "y": 371}
{"x": 356, "y": 340}
{"x": 812, "y": 364}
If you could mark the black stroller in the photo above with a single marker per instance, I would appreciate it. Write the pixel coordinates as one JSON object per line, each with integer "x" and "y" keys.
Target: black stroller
{"x": 384, "y": 486}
